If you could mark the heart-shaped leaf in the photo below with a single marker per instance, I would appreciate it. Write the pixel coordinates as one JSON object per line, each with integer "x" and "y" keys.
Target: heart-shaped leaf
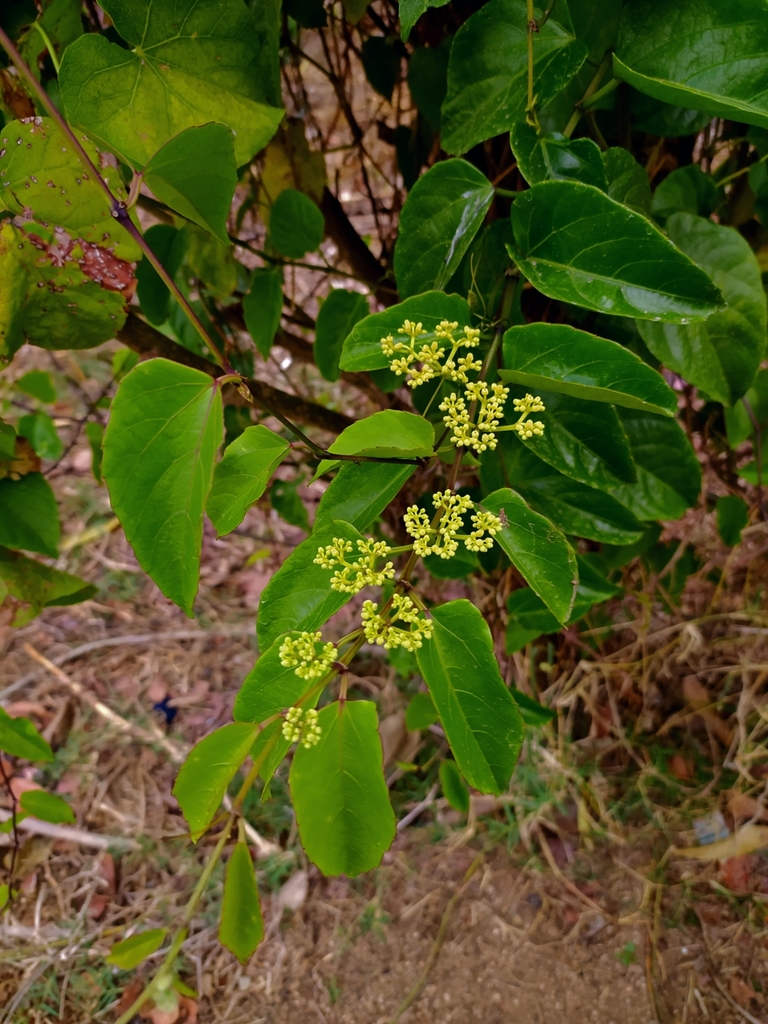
{"x": 242, "y": 476}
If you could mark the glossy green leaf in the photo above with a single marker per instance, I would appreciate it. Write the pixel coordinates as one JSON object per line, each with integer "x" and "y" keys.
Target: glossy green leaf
{"x": 428, "y": 77}
{"x": 7, "y": 443}
{"x": 20, "y": 738}
{"x": 362, "y": 348}
{"x": 242, "y": 476}
{"x": 711, "y": 61}
{"x": 299, "y": 595}
{"x": 5, "y": 895}
{"x": 269, "y": 687}
{"x": 346, "y": 823}
{"x": 553, "y": 157}
{"x": 190, "y": 64}
{"x": 263, "y": 306}
{"x": 441, "y": 216}
{"x": 360, "y": 492}
{"x": 296, "y": 225}
{"x": 387, "y": 434}
{"x": 732, "y": 515}
{"x": 531, "y": 711}
{"x": 488, "y": 70}
{"x": 130, "y": 952}
{"x": 722, "y": 354}
{"x": 338, "y": 315}
{"x": 38, "y": 384}
{"x": 476, "y": 711}
{"x": 39, "y": 170}
{"x": 47, "y": 807}
{"x": 61, "y": 21}
{"x": 94, "y": 433}
{"x": 537, "y": 549}
{"x": 164, "y": 431}
{"x": 213, "y": 263}
{"x": 687, "y": 190}
{"x": 573, "y": 507}
{"x": 208, "y": 770}
{"x": 49, "y": 300}
{"x": 626, "y": 180}
{"x": 31, "y": 586}
{"x": 286, "y": 501}
{"x": 269, "y": 750}
{"x": 241, "y": 928}
{"x": 412, "y": 10}
{"x": 668, "y": 472}
{"x": 738, "y": 422}
{"x": 575, "y": 244}
{"x": 40, "y": 430}
{"x": 454, "y": 787}
{"x": 195, "y": 174}
{"x": 420, "y": 713}
{"x": 29, "y": 515}
{"x": 381, "y": 58}
{"x": 560, "y": 358}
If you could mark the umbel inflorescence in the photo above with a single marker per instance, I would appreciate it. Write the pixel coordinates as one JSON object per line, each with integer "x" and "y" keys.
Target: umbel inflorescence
{"x": 473, "y": 418}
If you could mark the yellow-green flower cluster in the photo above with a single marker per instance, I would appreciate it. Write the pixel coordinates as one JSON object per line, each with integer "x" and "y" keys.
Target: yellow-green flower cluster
{"x": 443, "y": 538}
{"x": 302, "y": 725}
{"x": 351, "y": 577}
{"x": 406, "y": 355}
{"x": 490, "y": 409}
{"x": 302, "y": 654}
{"x": 378, "y": 630}
{"x": 525, "y": 406}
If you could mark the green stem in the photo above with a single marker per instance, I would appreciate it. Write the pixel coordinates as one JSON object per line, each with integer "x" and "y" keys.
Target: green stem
{"x": 589, "y": 92}
{"x": 510, "y": 192}
{"x": 118, "y": 209}
{"x": 48, "y": 46}
{"x": 532, "y": 27}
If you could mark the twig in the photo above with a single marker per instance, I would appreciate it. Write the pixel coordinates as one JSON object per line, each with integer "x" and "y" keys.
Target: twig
{"x": 421, "y": 806}
{"x": 71, "y": 835}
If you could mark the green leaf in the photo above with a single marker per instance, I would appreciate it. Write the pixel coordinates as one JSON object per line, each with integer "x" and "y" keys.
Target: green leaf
{"x": 5, "y": 895}
{"x": 95, "y": 434}
{"x": 263, "y": 306}
{"x": 123, "y": 361}
{"x": 441, "y": 216}
{"x": 29, "y": 515}
{"x": 454, "y": 787}
{"x": 583, "y": 440}
{"x": 668, "y": 472}
{"x": 381, "y": 58}
{"x": 241, "y": 928}
{"x": 52, "y": 301}
{"x": 362, "y": 349}
{"x": 537, "y": 549}
{"x": 412, "y": 10}
{"x": 31, "y": 586}
{"x": 575, "y": 244}
{"x": 62, "y": 23}
{"x": 387, "y": 434}
{"x": 560, "y": 358}
{"x": 573, "y": 507}
{"x": 296, "y": 225}
{"x": 47, "y": 807}
{"x": 130, "y": 952}
{"x": 531, "y": 711}
{"x": 19, "y": 738}
{"x": 269, "y": 687}
{"x": 338, "y": 315}
{"x": 40, "y": 430}
{"x": 712, "y": 61}
{"x": 242, "y": 476}
{"x": 345, "y": 819}
{"x": 687, "y": 189}
{"x": 359, "y": 493}
{"x": 738, "y": 423}
{"x": 476, "y": 711}
{"x": 722, "y": 354}
{"x": 199, "y": 189}
{"x": 213, "y": 263}
{"x": 7, "y": 443}
{"x": 307, "y": 13}
{"x": 187, "y": 67}
{"x": 271, "y": 736}
{"x": 555, "y": 157}
{"x": 488, "y": 70}
{"x": 732, "y": 515}
{"x": 428, "y": 77}
{"x": 38, "y": 384}
{"x": 39, "y": 170}
{"x": 164, "y": 431}
{"x": 208, "y": 770}
{"x": 299, "y": 595}
{"x": 286, "y": 501}
{"x": 626, "y": 179}
{"x": 420, "y": 713}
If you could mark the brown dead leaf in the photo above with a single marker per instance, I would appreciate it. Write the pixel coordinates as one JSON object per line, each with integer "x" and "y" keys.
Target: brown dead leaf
{"x": 18, "y": 102}
{"x": 19, "y": 785}
{"x": 129, "y": 996}
{"x": 25, "y": 708}
{"x": 736, "y": 872}
{"x": 746, "y": 840}
{"x": 681, "y": 767}
{"x": 743, "y": 992}
{"x": 744, "y": 807}
{"x": 58, "y": 729}
{"x": 25, "y": 460}
{"x": 699, "y": 698}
